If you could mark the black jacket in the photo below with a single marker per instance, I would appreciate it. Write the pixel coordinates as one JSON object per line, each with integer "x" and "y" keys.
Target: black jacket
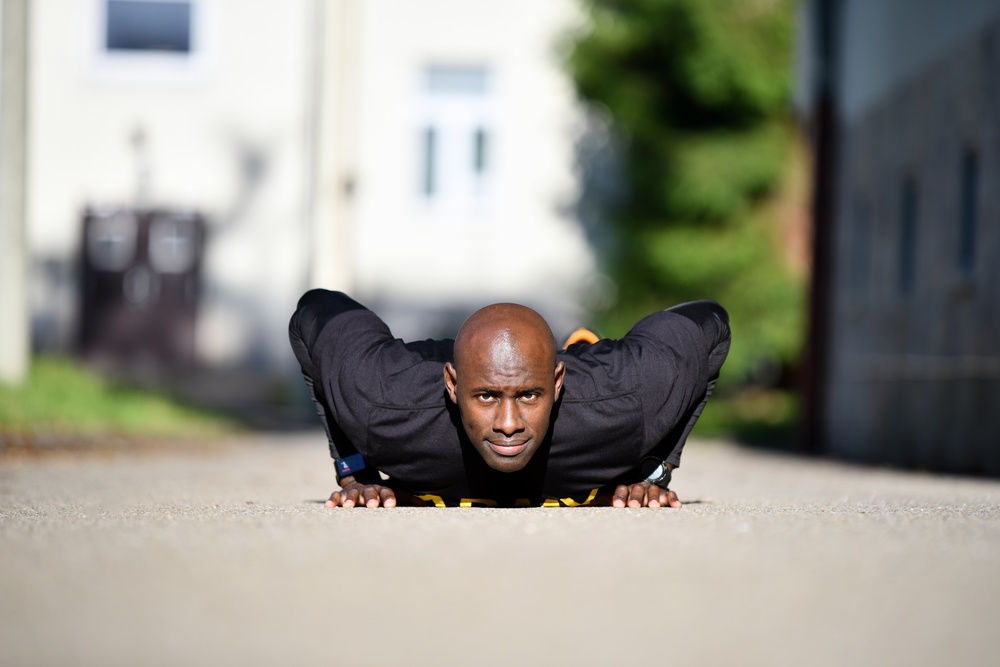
{"x": 621, "y": 400}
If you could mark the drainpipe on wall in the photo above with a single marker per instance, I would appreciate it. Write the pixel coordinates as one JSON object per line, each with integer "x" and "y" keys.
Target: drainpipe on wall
{"x": 14, "y": 316}
{"x": 826, "y": 28}
{"x": 334, "y": 130}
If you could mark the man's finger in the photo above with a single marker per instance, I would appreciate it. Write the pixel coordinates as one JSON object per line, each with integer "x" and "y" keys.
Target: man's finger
{"x": 350, "y": 498}
{"x": 371, "y": 498}
{"x": 655, "y": 497}
{"x": 388, "y": 497}
{"x": 673, "y": 500}
{"x": 334, "y": 499}
{"x": 620, "y": 498}
{"x": 637, "y": 496}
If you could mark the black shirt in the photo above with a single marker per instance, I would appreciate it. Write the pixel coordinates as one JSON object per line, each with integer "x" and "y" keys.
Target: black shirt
{"x": 621, "y": 400}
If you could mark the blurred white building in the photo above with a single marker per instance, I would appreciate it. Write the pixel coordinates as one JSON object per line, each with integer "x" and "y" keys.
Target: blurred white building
{"x": 417, "y": 154}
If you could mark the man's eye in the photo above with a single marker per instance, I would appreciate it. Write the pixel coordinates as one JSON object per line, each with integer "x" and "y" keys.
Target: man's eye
{"x": 484, "y": 398}
{"x": 529, "y": 397}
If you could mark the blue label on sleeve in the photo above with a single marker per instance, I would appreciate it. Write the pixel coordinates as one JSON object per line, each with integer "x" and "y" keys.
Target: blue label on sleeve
{"x": 350, "y": 464}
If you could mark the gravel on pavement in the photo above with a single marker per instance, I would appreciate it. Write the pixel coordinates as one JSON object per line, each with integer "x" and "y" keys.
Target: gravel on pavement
{"x": 228, "y": 557}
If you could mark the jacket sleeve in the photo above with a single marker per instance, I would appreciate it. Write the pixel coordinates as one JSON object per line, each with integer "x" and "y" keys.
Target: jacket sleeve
{"x": 680, "y": 352}
{"x": 325, "y": 332}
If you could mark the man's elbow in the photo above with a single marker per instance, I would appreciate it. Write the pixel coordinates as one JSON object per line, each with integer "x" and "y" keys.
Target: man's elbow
{"x": 707, "y": 314}
{"x": 315, "y": 309}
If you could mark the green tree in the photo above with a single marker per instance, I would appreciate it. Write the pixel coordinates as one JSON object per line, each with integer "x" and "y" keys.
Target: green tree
{"x": 697, "y": 91}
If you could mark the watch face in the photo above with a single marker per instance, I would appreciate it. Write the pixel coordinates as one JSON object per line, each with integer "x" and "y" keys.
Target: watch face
{"x": 654, "y": 471}
{"x": 651, "y": 469}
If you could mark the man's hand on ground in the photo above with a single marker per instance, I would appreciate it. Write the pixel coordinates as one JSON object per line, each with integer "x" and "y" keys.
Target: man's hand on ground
{"x": 355, "y": 494}
{"x": 643, "y": 494}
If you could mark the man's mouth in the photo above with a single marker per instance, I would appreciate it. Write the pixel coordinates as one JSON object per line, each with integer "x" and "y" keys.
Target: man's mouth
{"x": 507, "y": 448}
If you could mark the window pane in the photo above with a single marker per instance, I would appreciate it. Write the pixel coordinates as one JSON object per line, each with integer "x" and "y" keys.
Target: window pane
{"x": 456, "y": 80}
{"x": 134, "y": 25}
{"x": 860, "y": 259}
{"x": 111, "y": 242}
{"x": 173, "y": 244}
{"x": 908, "y": 238}
{"x": 480, "y": 147}
{"x": 430, "y": 148}
{"x": 970, "y": 186}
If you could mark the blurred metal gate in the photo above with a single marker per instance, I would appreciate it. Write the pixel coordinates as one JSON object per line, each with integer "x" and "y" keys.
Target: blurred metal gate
{"x": 140, "y": 285}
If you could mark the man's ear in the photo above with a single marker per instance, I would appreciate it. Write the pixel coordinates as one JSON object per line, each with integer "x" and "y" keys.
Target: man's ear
{"x": 560, "y": 376}
{"x": 451, "y": 381}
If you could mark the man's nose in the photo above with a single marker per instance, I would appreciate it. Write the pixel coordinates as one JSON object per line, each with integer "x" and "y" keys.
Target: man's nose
{"x": 508, "y": 418}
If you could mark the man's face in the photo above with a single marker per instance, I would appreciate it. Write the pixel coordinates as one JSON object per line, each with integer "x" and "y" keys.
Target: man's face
{"x": 505, "y": 392}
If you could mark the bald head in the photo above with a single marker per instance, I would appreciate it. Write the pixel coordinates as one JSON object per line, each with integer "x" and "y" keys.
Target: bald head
{"x": 504, "y": 329}
{"x": 505, "y": 381}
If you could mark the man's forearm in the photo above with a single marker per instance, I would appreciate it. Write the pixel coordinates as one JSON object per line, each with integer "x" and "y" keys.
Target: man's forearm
{"x": 714, "y": 323}
{"x": 315, "y": 310}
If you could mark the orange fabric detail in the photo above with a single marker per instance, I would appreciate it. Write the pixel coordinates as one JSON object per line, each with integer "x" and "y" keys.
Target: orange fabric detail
{"x": 581, "y": 335}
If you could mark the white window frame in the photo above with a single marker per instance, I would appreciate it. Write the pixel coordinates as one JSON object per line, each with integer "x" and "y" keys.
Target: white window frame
{"x": 456, "y": 116}
{"x": 148, "y": 67}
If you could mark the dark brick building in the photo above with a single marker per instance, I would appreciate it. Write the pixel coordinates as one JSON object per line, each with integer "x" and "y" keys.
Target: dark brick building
{"x": 903, "y": 103}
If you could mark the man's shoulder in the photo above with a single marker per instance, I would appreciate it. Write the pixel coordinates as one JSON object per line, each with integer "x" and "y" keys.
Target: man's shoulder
{"x": 599, "y": 371}
{"x": 412, "y": 374}
{"x": 616, "y": 367}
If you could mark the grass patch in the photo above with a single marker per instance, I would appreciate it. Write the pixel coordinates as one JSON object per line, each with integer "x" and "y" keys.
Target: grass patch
{"x": 61, "y": 397}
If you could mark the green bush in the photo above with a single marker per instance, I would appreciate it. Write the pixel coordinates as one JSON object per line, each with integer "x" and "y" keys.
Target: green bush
{"x": 697, "y": 91}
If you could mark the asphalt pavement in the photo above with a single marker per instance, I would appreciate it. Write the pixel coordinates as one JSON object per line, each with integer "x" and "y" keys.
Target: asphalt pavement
{"x": 227, "y": 557}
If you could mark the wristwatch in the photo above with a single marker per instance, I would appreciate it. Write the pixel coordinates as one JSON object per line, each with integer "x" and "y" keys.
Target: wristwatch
{"x": 655, "y": 471}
